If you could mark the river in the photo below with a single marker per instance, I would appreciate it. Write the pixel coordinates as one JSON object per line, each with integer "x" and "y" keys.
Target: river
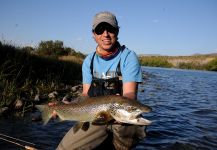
{"x": 184, "y": 115}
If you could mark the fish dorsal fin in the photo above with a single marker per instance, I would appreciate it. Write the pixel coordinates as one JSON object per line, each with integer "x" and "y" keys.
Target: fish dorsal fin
{"x": 81, "y": 125}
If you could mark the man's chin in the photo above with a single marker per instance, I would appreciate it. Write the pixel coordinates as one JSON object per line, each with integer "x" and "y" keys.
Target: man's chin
{"x": 107, "y": 47}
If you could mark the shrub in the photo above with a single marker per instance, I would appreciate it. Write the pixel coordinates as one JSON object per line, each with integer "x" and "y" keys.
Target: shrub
{"x": 154, "y": 61}
{"x": 212, "y": 65}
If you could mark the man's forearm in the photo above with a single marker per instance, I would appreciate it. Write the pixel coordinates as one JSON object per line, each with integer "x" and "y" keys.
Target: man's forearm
{"x": 130, "y": 90}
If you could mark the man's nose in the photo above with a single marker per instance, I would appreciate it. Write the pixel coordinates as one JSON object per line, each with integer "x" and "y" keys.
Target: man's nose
{"x": 105, "y": 33}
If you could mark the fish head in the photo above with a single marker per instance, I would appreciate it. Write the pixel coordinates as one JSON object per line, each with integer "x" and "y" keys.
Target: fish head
{"x": 130, "y": 113}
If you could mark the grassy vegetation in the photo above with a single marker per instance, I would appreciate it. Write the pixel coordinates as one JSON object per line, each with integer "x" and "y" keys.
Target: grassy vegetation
{"x": 23, "y": 74}
{"x": 212, "y": 65}
{"x": 199, "y": 62}
{"x": 154, "y": 61}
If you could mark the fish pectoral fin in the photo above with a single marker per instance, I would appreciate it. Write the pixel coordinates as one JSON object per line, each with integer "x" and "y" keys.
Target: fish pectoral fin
{"x": 81, "y": 125}
{"x": 101, "y": 119}
{"x": 117, "y": 119}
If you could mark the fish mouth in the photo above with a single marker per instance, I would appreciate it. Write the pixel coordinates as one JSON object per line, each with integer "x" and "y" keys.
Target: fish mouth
{"x": 140, "y": 120}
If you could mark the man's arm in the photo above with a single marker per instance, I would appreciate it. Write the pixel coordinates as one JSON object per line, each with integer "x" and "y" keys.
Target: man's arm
{"x": 130, "y": 90}
{"x": 85, "y": 89}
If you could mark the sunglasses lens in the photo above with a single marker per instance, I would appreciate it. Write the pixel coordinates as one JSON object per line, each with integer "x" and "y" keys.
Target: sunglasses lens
{"x": 101, "y": 28}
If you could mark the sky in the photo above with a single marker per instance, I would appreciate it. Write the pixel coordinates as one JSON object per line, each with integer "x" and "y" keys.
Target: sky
{"x": 160, "y": 27}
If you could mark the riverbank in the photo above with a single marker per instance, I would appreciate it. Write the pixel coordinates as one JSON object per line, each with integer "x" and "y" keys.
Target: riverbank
{"x": 25, "y": 78}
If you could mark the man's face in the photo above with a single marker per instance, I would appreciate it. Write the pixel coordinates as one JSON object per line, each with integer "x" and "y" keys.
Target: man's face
{"x": 105, "y": 36}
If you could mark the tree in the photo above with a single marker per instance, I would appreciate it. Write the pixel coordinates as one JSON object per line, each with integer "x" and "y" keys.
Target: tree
{"x": 50, "y": 48}
{"x": 28, "y": 49}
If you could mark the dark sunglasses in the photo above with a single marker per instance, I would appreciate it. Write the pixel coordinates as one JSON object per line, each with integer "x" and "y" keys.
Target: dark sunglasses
{"x": 102, "y": 27}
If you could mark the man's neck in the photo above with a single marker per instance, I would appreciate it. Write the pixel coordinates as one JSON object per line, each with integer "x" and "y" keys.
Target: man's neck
{"x": 107, "y": 53}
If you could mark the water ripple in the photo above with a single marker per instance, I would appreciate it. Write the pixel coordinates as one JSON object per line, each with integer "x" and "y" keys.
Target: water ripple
{"x": 184, "y": 109}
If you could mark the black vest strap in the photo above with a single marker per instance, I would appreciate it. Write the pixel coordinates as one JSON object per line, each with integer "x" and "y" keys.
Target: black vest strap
{"x": 91, "y": 64}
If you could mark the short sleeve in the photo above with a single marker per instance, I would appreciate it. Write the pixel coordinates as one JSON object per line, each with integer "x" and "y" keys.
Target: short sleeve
{"x": 131, "y": 69}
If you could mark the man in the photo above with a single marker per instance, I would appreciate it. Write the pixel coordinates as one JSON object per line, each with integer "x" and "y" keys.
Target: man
{"x": 111, "y": 70}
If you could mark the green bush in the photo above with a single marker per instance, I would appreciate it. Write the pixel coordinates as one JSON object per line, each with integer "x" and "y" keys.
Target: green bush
{"x": 154, "y": 61}
{"x": 212, "y": 65}
{"x": 51, "y": 48}
{"x": 191, "y": 65}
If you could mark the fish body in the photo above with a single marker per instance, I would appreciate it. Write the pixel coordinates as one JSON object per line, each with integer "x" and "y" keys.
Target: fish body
{"x": 99, "y": 110}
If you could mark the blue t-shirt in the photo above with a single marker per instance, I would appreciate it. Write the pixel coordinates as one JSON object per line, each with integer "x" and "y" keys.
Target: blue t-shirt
{"x": 129, "y": 66}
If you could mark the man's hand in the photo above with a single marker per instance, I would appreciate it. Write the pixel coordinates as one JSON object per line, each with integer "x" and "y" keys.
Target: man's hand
{"x": 54, "y": 113}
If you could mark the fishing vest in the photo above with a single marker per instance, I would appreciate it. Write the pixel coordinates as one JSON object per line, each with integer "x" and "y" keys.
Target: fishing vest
{"x": 106, "y": 86}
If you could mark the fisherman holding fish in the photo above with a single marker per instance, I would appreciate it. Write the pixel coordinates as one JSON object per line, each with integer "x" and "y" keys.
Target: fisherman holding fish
{"x": 112, "y": 69}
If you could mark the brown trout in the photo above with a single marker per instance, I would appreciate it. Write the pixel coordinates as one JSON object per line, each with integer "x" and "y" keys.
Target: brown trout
{"x": 99, "y": 110}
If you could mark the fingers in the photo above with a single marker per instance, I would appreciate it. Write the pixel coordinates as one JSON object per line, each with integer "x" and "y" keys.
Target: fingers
{"x": 54, "y": 114}
{"x": 52, "y": 104}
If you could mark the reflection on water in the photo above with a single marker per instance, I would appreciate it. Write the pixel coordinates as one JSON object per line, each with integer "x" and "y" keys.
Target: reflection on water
{"x": 184, "y": 114}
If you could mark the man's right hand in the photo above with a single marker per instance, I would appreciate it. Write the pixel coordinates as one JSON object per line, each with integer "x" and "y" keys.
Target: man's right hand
{"x": 54, "y": 113}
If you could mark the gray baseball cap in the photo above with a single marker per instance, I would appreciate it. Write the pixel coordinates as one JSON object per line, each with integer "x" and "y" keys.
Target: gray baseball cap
{"x": 105, "y": 17}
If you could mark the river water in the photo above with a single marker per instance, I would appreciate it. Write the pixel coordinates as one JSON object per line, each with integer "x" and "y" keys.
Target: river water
{"x": 184, "y": 114}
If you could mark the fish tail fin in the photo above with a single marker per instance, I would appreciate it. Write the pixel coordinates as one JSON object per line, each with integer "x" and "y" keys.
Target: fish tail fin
{"x": 45, "y": 112}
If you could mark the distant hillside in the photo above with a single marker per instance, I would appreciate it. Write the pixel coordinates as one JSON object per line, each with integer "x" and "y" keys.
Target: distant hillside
{"x": 210, "y": 54}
